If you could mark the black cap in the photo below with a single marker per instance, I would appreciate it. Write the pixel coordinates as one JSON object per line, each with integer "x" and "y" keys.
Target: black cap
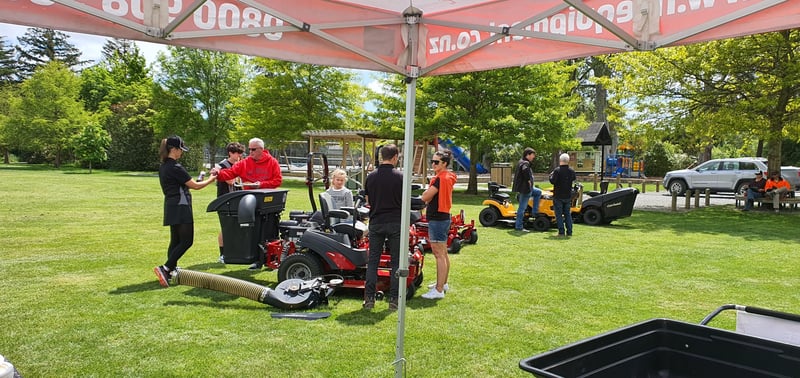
{"x": 759, "y": 173}
{"x": 177, "y": 142}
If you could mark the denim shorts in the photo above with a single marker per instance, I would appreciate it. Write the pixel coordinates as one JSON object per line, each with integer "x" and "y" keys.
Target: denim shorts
{"x": 438, "y": 230}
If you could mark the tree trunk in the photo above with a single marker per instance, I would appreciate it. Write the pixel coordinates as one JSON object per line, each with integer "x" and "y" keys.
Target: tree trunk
{"x": 472, "y": 183}
{"x": 706, "y": 155}
{"x": 774, "y": 147}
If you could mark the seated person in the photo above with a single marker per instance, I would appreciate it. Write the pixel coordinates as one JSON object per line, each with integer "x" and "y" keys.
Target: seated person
{"x": 755, "y": 189}
{"x": 776, "y": 188}
{"x": 340, "y": 196}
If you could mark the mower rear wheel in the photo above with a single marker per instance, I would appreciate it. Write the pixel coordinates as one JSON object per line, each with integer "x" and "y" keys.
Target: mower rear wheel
{"x": 455, "y": 246}
{"x": 299, "y": 265}
{"x": 541, "y": 223}
{"x": 488, "y": 217}
{"x": 473, "y": 236}
{"x": 593, "y": 216}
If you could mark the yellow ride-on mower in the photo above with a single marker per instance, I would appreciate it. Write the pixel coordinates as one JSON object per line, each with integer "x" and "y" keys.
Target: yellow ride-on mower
{"x": 500, "y": 210}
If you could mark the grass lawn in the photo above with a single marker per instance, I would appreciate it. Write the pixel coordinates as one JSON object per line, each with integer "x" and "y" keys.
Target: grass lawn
{"x": 79, "y": 297}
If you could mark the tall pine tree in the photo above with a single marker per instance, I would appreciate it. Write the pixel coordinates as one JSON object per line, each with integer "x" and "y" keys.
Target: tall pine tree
{"x": 37, "y": 47}
{"x": 8, "y": 65}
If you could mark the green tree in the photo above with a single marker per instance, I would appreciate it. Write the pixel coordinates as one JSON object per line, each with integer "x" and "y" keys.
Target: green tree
{"x": 120, "y": 90}
{"x": 657, "y": 160}
{"x": 38, "y": 47}
{"x": 134, "y": 146}
{"x": 121, "y": 75}
{"x": 91, "y": 144}
{"x": 286, "y": 99}
{"x": 205, "y": 82}
{"x": 484, "y": 111}
{"x": 740, "y": 91}
{"x": 9, "y": 137}
{"x": 49, "y": 112}
{"x": 8, "y": 64}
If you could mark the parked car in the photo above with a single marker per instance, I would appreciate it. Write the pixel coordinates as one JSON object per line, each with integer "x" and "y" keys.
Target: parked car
{"x": 723, "y": 175}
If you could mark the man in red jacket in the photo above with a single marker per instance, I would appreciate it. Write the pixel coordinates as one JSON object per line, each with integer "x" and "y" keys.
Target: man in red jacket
{"x": 258, "y": 171}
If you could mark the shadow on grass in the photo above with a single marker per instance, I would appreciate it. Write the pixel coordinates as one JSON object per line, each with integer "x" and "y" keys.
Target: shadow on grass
{"x": 138, "y": 174}
{"x": 216, "y": 305}
{"x": 136, "y": 288}
{"x": 719, "y": 220}
{"x": 421, "y": 303}
{"x": 365, "y": 317}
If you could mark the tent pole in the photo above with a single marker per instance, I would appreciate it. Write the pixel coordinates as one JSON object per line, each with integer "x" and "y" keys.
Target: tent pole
{"x": 412, "y": 16}
{"x": 405, "y": 224}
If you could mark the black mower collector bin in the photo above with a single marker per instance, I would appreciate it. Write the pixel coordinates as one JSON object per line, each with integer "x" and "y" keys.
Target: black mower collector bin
{"x": 665, "y": 348}
{"x": 248, "y": 218}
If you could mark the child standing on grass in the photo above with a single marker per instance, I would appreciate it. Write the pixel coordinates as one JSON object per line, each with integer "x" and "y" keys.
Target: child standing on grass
{"x": 175, "y": 184}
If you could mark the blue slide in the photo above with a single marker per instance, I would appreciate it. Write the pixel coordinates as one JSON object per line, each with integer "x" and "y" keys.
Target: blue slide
{"x": 460, "y": 156}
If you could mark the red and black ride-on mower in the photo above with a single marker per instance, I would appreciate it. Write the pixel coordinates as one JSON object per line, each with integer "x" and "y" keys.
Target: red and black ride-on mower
{"x": 327, "y": 242}
{"x": 323, "y": 251}
{"x": 460, "y": 232}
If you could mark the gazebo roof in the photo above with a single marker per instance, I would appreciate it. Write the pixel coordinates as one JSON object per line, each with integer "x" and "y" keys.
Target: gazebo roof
{"x": 595, "y": 135}
{"x": 351, "y": 135}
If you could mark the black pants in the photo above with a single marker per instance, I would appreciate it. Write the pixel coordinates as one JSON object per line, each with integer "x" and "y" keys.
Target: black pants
{"x": 379, "y": 235}
{"x": 181, "y": 237}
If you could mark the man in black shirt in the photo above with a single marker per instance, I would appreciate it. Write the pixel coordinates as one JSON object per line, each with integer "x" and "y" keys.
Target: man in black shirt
{"x": 562, "y": 179}
{"x": 384, "y": 191}
{"x": 755, "y": 189}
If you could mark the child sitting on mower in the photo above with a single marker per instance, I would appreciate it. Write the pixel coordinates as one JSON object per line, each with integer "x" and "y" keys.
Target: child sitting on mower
{"x": 341, "y": 196}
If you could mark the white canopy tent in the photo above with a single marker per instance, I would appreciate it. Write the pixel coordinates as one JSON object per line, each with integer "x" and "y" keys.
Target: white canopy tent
{"x": 411, "y": 38}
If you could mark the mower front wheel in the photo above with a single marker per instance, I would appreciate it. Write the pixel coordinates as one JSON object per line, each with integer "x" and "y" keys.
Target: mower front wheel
{"x": 299, "y": 265}
{"x": 489, "y": 216}
{"x": 455, "y": 246}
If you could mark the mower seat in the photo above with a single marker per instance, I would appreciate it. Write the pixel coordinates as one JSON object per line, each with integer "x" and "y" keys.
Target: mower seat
{"x": 340, "y": 221}
{"x": 494, "y": 192}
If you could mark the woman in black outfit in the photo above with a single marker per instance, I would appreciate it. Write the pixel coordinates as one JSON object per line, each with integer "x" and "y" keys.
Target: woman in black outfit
{"x": 175, "y": 183}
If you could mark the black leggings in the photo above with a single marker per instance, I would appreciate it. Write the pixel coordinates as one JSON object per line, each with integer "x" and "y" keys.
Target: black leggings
{"x": 181, "y": 237}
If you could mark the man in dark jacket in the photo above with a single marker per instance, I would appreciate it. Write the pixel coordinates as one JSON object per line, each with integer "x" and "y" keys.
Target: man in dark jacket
{"x": 523, "y": 186}
{"x": 562, "y": 179}
{"x": 755, "y": 189}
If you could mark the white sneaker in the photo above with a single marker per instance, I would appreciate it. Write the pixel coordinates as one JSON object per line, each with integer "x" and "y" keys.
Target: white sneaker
{"x": 433, "y": 285}
{"x": 221, "y": 259}
{"x": 433, "y": 294}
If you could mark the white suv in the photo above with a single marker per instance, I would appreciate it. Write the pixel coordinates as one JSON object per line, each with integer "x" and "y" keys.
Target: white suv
{"x": 723, "y": 175}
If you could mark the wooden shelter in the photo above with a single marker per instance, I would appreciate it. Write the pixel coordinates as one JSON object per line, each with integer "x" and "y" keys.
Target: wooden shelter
{"x": 345, "y": 137}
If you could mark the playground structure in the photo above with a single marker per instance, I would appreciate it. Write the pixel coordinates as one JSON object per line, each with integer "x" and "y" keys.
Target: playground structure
{"x": 337, "y": 145}
{"x": 460, "y": 156}
{"x": 624, "y": 163}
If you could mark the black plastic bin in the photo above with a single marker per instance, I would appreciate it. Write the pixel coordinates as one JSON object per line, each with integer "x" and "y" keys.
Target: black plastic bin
{"x": 248, "y": 218}
{"x": 665, "y": 348}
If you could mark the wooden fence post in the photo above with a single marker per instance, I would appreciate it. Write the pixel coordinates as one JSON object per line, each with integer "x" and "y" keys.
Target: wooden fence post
{"x": 688, "y": 195}
{"x": 674, "y": 201}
